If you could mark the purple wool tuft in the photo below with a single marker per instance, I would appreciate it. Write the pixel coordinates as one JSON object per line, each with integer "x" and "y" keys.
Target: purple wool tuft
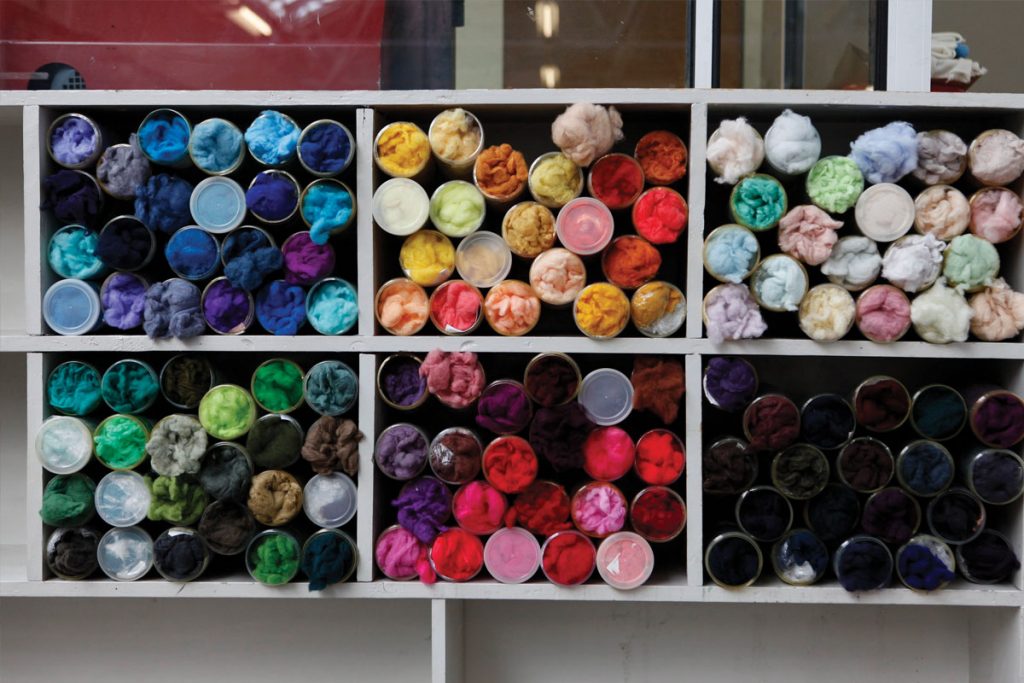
{"x": 124, "y": 299}
{"x": 424, "y": 506}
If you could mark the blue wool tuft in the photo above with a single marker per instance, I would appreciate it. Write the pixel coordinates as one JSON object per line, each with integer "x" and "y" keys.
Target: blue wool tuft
{"x": 272, "y": 138}
{"x": 326, "y": 148}
{"x": 72, "y": 253}
{"x": 216, "y": 145}
{"x": 331, "y": 388}
{"x": 272, "y": 196}
{"x": 803, "y": 547}
{"x": 250, "y": 257}
{"x": 163, "y": 203}
{"x": 326, "y": 207}
{"x": 164, "y": 137}
{"x": 332, "y": 307}
{"x": 886, "y": 154}
{"x": 863, "y": 566}
{"x": 922, "y": 569}
{"x": 281, "y": 307}
{"x": 925, "y": 469}
{"x": 193, "y": 253}
{"x": 73, "y": 196}
{"x": 172, "y": 310}
{"x": 125, "y": 244}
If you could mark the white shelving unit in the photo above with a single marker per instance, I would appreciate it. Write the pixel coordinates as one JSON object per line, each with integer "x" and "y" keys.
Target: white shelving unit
{"x": 986, "y": 623}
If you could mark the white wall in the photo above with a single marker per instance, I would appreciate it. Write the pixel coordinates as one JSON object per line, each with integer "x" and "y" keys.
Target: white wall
{"x": 170, "y": 641}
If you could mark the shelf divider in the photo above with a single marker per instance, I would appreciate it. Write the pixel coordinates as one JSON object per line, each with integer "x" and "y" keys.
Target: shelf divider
{"x": 32, "y": 146}
{"x": 695, "y": 229}
{"x": 364, "y": 219}
{"x": 366, "y": 532}
{"x": 36, "y": 371}
{"x": 446, "y": 641}
{"x": 694, "y": 489}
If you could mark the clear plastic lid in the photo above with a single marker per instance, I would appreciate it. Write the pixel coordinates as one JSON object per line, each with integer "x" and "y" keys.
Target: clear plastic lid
{"x": 625, "y": 560}
{"x": 218, "y": 205}
{"x": 122, "y": 498}
{"x": 63, "y": 444}
{"x": 330, "y": 500}
{"x": 72, "y": 307}
{"x": 512, "y": 555}
{"x": 125, "y": 554}
{"x": 483, "y": 259}
{"x": 606, "y": 396}
{"x": 584, "y": 226}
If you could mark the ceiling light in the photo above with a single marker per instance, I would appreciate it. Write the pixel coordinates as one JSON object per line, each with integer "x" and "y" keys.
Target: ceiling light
{"x": 550, "y": 76}
{"x": 250, "y": 22}
{"x": 546, "y": 12}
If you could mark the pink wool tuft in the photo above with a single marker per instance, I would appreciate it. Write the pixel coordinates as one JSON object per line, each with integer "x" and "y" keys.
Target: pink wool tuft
{"x": 455, "y": 378}
{"x": 998, "y": 312}
{"x": 601, "y": 511}
{"x": 808, "y": 234}
{"x": 400, "y": 555}
{"x": 479, "y": 508}
{"x": 883, "y": 313}
{"x": 586, "y": 131}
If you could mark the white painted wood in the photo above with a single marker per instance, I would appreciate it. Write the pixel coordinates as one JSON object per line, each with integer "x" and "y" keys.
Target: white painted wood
{"x": 364, "y": 219}
{"x": 365, "y": 531}
{"x": 1014, "y": 528}
{"x": 994, "y": 632}
{"x": 446, "y": 641}
{"x": 670, "y": 590}
{"x": 696, "y": 228}
{"x": 693, "y": 405}
{"x": 34, "y": 271}
{"x": 908, "y": 46}
{"x": 533, "y": 96}
{"x": 497, "y": 344}
{"x": 703, "y": 42}
{"x": 36, "y": 370}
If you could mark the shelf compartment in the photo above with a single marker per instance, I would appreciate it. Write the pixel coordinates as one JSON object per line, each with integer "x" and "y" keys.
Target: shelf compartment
{"x": 528, "y": 130}
{"x": 235, "y": 369}
{"x": 671, "y": 558}
{"x": 792, "y": 377}
{"x": 839, "y": 126}
{"x": 120, "y": 122}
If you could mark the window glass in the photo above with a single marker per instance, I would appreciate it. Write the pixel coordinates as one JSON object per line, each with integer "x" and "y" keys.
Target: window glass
{"x": 342, "y": 44}
{"x": 798, "y": 44}
{"x": 973, "y": 45}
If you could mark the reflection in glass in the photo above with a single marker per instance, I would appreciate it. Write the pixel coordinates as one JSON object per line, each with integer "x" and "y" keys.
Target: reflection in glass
{"x": 573, "y": 44}
{"x": 798, "y": 44}
{"x": 986, "y": 28}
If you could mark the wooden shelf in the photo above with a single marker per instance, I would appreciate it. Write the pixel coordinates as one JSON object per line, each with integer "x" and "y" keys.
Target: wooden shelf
{"x": 671, "y": 590}
{"x": 696, "y": 111}
{"x": 21, "y": 343}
